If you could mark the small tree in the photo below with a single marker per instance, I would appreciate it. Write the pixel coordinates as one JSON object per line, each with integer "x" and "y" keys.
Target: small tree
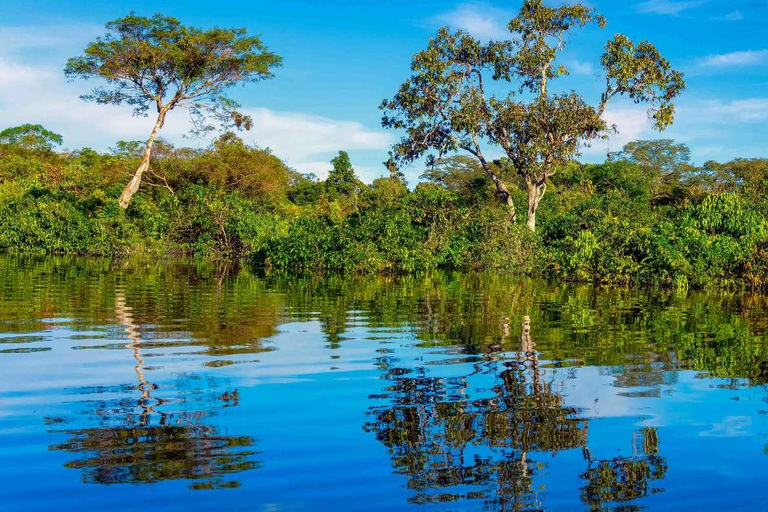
{"x": 341, "y": 178}
{"x": 444, "y": 106}
{"x": 158, "y": 62}
{"x": 31, "y": 136}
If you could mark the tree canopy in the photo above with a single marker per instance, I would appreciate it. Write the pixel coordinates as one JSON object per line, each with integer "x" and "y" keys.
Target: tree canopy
{"x": 31, "y": 136}
{"x": 445, "y": 105}
{"x": 664, "y": 155}
{"x": 159, "y": 63}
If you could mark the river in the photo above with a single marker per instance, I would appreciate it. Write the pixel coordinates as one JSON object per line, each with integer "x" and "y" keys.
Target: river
{"x": 179, "y": 384}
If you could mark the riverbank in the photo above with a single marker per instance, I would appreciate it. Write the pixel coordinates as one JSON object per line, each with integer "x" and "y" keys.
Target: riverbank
{"x": 613, "y": 223}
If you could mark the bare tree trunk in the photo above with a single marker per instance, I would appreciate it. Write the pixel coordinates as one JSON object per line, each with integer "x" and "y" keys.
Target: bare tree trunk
{"x": 535, "y": 193}
{"x": 133, "y": 186}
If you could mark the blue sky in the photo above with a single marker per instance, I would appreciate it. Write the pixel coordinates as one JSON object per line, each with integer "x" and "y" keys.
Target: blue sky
{"x": 342, "y": 58}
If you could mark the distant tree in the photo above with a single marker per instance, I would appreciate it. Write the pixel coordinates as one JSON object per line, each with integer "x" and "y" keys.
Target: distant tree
{"x": 232, "y": 164}
{"x": 748, "y": 176}
{"x": 387, "y": 192}
{"x": 444, "y": 106}
{"x": 31, "y": 136}
{"x": 662, "y": 154}
{"x": 341, "y": 178}
{"x": 342, "y": 181}
{"x": 158, "y": 62}
{"x": 625, "y": 177}
{"x": 461, "y": 174}
{"x": 667, "y": 164}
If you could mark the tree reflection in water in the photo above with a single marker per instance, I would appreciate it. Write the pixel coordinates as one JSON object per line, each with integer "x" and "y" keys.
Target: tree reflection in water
{"x": 484, "y": 425}
{"x": 452, "y": 446}
{"x": 137, "y": 443}
{"x": 624, "y": 478}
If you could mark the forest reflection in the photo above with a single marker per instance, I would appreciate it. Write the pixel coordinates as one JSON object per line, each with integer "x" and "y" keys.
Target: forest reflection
{"x": 472, "y": 369}
{"x": 443, "y": 439}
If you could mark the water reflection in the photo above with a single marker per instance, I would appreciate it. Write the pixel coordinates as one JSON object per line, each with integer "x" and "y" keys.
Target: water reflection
{"x": 624, "y": 479}
{"x": 474, "y": 391}
{"x": 452, "y": 445}
{"x": 137, "y": 441}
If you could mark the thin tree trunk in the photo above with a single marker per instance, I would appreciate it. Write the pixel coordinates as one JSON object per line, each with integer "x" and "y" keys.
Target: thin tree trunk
{"x": 535, "y": 193}
{"x": 133, "y": 186}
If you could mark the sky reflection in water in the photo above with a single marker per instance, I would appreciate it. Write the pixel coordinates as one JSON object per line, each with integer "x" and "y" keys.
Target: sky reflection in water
{"x": 211, "y": 386}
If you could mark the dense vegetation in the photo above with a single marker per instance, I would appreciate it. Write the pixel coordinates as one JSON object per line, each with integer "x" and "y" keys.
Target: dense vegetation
{"x": 645, "y": 216}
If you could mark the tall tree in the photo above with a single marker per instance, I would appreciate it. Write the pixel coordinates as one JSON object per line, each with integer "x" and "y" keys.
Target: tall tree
{"x": 445, "y": 107}
{"x": 159, "y": 63}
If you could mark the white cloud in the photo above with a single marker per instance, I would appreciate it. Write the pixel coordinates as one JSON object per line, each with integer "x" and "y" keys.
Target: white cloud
{"x": 302, "y": 139}
{"x": 581, "y": 68}
{"x": 366, "y": 173}
{"x": 704, "y": 124}
{"x": 733, "y": 59}
{"x": 302, "y": 135}
{"x": 731, "y": 16}
{"x": 746, "y": 110}
{"x": 671, "y": 7}
{"x": 480, "y": 20}
{"x": 17, "y": 75}
{"x": 31, "y": 94}
{"x": 631, "y": 124}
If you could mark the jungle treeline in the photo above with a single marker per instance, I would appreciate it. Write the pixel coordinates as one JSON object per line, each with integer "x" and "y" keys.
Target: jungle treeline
{"x": 646, "y": 215}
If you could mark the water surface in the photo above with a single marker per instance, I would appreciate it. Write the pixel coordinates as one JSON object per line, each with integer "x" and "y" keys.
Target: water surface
{"x": 160, "y": 385}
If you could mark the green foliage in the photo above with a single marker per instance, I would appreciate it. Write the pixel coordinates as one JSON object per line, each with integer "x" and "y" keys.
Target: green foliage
{"x": 747, "y": 175}
{"x": 341, "y": 179}
{"x": 157, "y": 61}
{"x": 449, "y": 104}
{"x": 31, "y": 136}
{"x": 39, "y": 219}
{"x": 601, "y": 222}
{"x": 305, "y": 190}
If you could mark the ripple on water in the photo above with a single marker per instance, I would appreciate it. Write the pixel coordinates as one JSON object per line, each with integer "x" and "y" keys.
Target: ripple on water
{"x": 209, "y": 386}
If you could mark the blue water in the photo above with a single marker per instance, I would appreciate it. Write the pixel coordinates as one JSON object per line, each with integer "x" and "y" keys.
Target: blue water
{"x": 182, "y": 385}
